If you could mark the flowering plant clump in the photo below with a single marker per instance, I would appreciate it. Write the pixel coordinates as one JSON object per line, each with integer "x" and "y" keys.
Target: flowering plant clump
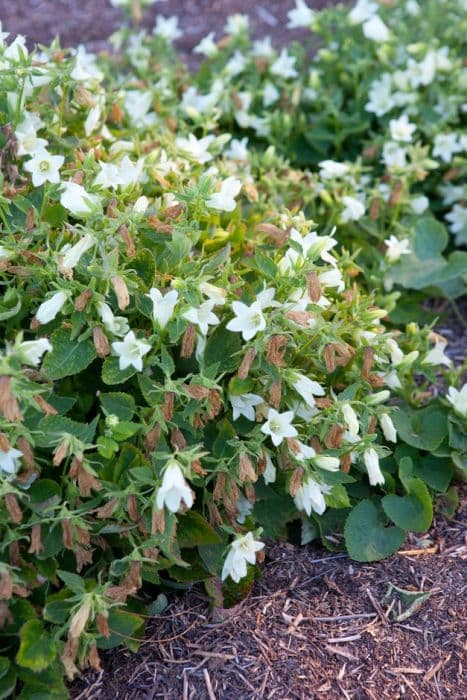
{"x": 383, "y": 140}
{"x": 190, "y": 364}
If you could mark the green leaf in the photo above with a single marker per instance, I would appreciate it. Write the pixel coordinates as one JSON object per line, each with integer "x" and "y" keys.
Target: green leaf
{"x": 448, "y": 503}
{"x": 424, "y": 429}
{"x": 145, "y": 266}
{"x": 194, "y": 530}
{"x": 50, "y": 428}
{"x": 67, "y": 356}
{"x": 366, "y": 537}
{"x": 4, "y": 666}
{"x": 411, "y": 600}
{"x": 158, "y": 606}
{"x": 7, "y": 682}
{"x": 118, "y": 404}
{"x": 37, "y": 649}
{"x": 413, "y": 511}
{"x": 112, "y": 374}
{"x": 430, "y": 238}
{"x": 266, "y": 265}
{"x": 223, "y": 347}
{"x": 124, "y": 627}
{"x": 273, "y": 510}
{"x": 437, "y": 472}
{"x": 72, "y": 581}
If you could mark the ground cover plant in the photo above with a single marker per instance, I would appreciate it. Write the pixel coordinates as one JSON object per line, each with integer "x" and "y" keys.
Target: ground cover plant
{"x": 203, "y": 347}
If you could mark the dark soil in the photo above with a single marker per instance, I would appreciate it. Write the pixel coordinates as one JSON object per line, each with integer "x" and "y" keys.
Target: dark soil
{"x": 90, "y": 22}
{"x": 313, "y": 627}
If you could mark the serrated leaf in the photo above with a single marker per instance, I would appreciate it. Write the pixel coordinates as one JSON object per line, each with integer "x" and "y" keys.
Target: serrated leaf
{"x": 366, "y": 537}
{"x": 72, "y": 581}
{"x": 37, "y": 649}
{"x": 67, "y": 356}
{"x": 118, "y": 404}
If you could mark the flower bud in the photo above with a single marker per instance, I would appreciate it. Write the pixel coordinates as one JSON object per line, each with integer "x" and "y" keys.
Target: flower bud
{"x": 388, "y": 428}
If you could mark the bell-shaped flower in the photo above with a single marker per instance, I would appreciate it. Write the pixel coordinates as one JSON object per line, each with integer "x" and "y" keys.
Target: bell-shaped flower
{"x": 242, "y": 552}
{"x": 375, "y": 29}
{"x": 77, "y": 200}
{"x": 244, "y": 405}
{"x": 437, "y": 355}
{"x": 51, "y": 307}
{"x": 300, "y": 16}
{"x": 388, "y": 428}
{"x": 279, "y": 426}
{"x": 44, "y": 167}
{"x": 395, "y": 247}
{"x": 307, "y": 389}
{"x": 202, "y": 316}
{"x": 309, "y": 496}
{"x": 163, "y": 305}
{"x": 9, "y": 460}
{"x": 214, "y": 294}
{"x": 32, "y": 350}
{"x": 248, "y": 321}
{"x": 73, "y": 254}
{"x": 458, "y": 400}
{"x": 197, "y": 149}
{"x": 326, "y": 462}
{"x": 371, "y": 460}
{"x": 174, "y": 489}
{"x": 224, "y": 200}
{"x": 130, "y": 351}
{"x": 270, "y": 473}
{"x": 284, "y": 66}
{"x": 350, "y": 418}
{"x": 353, "y": 209}
{"x": 117, "y": 325}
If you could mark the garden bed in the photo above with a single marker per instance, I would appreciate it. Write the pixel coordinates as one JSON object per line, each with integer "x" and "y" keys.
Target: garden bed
{"x": 312, "y": 627}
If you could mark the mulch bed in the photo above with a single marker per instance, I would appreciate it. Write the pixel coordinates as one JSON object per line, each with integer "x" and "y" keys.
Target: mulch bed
{"x": 313, "y": 627}
{"x": 90, "y": 22}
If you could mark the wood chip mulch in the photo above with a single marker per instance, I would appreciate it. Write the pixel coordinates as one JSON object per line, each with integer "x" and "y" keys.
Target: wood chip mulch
{"x": 313, "y": 627}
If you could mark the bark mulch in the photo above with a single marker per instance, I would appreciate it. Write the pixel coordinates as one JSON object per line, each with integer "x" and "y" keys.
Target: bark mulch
{"x": 90, "y": 22}
{"x": 314, "y": 626}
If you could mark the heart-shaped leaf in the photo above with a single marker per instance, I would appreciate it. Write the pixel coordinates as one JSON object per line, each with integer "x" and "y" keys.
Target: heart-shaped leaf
{"x": 366, "y": 537}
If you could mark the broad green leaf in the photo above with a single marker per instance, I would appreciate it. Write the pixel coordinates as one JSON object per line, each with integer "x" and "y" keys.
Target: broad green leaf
{"x": 223, "y": 348}
{"x": 437, "y": 472}
{"x": 125, "y": 628}
{"x": 425, "y": 428}
{"x": 413, "y": 511}
{"x": 366, "y": 537}
{"x": 51, "y": 428}
{"x": 68, "y": 356}
{"x": 112, "y": 374}
{"x": 37, "y": 649}
{"x": 194, "y": 530}
{"x": 119, "y": 404}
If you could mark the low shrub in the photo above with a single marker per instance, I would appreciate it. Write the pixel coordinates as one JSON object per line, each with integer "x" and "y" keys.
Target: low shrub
{"x": 190, "y": 364}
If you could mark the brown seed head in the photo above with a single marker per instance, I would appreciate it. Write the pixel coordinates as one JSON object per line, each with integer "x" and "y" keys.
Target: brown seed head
{"x": 188, "y": 341}
{"x": 101, "y": 342}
